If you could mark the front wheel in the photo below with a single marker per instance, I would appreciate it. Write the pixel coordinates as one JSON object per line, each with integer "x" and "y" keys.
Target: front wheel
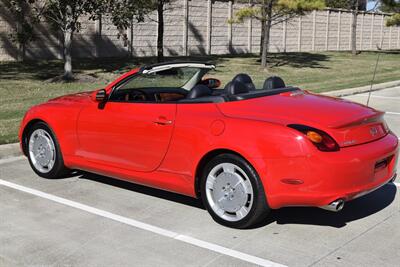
{"x": 44, "y": 152}
{"x": 232, "y": 192}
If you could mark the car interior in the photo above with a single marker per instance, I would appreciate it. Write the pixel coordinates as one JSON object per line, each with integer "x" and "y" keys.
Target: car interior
{"x": 241, "y": 87}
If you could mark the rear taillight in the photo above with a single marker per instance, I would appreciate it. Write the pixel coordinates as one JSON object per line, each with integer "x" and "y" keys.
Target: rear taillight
{"x": 320, "y": 139}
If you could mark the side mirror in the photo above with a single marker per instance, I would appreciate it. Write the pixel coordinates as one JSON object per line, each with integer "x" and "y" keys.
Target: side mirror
{"x": 211, "y": 83}
{"x": 99, "y": 95}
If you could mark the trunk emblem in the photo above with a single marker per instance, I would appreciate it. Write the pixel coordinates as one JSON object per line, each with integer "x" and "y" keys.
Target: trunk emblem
{"x": 373, "y": 131}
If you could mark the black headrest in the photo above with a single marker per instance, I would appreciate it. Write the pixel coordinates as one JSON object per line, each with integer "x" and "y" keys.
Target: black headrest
{"x": 246, "y": 79}
{"x": 235, "y": 87}
{"x": 274, "y": 82}
{"x": 199, "y": 90}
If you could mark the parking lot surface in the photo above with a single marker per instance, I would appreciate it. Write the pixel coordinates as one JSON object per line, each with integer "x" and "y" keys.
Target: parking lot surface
{"x": 90, "y": 220}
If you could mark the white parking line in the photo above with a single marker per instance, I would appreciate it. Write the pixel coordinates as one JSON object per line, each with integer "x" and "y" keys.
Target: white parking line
{"x": 144, "y": 226}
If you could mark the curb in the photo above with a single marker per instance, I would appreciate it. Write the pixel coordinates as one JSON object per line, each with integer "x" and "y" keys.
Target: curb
{"x": 363, "y": 89}
{"x": 10, "y": 151}
{"x": 13, "y": 150}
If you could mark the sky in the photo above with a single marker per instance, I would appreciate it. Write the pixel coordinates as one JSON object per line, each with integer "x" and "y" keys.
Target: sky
{"x": 371, "y": 5}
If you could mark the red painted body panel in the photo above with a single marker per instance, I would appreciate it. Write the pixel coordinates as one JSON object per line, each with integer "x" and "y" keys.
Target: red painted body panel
{"x": 127, "y": 141}
{"x": 127, "y": 136}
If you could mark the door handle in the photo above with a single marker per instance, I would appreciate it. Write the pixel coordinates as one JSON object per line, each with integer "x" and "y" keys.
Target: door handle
{"x": 163, "y": 121}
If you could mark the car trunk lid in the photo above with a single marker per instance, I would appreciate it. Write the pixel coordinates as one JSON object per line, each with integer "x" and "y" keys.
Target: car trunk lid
{"x": 347, "y": 122}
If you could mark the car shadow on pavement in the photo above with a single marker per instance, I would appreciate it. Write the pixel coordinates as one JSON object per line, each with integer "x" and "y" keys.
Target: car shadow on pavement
{"x": 352, "y": 211}
{"x": 189, "y": 201}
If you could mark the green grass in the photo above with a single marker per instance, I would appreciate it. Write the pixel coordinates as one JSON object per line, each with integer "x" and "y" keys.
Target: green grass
{"x": 23, "y": 85}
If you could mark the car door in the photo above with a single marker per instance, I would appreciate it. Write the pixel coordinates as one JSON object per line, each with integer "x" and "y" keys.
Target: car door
{"x": 133, "y": 129}
{"x": 132, "y": 136}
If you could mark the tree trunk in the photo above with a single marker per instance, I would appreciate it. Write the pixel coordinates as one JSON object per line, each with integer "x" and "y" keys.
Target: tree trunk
{"x": 67, "y": 55}
{"x": 160, "y": 31}
{"x": 21, "y": 52}
{"x": 21, "y": 45}
{"x": 267, "y": 35}
{"x": 354, "y": 28}
{"x": 263, "y": 22}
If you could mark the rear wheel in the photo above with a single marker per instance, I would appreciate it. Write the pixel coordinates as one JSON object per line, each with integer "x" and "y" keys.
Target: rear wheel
{"x": 44, "y": 152}
{"x": 232, "y": 192}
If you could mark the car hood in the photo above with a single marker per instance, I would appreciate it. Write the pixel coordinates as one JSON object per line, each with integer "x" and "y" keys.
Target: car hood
{"x": 73, "y": 98}
{"x": 340, "y": 118}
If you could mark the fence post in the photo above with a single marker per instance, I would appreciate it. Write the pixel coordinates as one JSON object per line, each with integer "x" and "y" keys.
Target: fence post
{"x": 314, "y": 29}
{"x": 230, "y": 7}
{"x": 209, "y": 26}
{"x": 351, "y": 30}
{"x": 185, "y": 26}
{"x": 339, "y": 29}
{"x": 300, "y": 33}
{"x": 328, "y": 14}
{"x": 284, "y": 35}
{"x": 362, "y": 30}
{"x": 372, "y": 31}
{"x": 382, "y": 27}
{"x": 398, "y": 36}
{"x": 250, "y": 36}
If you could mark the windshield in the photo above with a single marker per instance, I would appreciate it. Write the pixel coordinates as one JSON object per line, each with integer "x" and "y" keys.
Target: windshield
{"x": 175, "y": 78}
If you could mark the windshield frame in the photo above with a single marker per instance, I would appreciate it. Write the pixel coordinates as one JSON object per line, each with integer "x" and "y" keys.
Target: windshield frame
{"x": 188, "y": 85}
{"x": 204, "y": 68}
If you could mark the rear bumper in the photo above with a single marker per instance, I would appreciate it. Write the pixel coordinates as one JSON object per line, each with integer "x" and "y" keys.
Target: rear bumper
{"x": 325, "y": 177}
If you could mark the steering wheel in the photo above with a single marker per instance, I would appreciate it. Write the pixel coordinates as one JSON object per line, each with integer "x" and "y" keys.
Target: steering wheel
{"x": 136, "y": 95}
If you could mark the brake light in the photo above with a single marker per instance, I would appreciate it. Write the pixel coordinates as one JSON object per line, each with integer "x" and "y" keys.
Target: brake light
{"x": 323, "y": 141}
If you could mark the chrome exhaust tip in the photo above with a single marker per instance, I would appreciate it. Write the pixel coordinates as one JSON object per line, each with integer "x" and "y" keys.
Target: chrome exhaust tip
{"x": 335, "y": 206}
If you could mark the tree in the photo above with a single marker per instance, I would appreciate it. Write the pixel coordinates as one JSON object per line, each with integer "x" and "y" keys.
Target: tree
{"x": 123, "y": 12}
{"x": 25, "y": 19}
{"x": 271, "y": 12}
{"x": 391, "y": 6}
{"x": 160, "y": 29}
{"x": 160, "y": 6}
{"x": 346, "y": 4}
{"x": 354, "y": 6}
{"x": 65, "y": 16}
{"x": 354, "y": 11}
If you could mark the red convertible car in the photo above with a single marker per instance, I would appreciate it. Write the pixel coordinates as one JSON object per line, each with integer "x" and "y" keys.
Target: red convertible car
{"x": 242, "y": 151}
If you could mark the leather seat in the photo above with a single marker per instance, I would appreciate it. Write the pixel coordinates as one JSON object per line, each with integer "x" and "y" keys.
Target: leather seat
{"x": 235, "y": 88}
{"x": 199, "y": 90}
{"x": 274, "y": 82}
{"x": 246, "y": 80}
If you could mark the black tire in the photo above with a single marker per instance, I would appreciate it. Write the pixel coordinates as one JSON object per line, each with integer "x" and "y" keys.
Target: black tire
{"x": 259, "y": 209}
{"x": 58, "y": 170}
